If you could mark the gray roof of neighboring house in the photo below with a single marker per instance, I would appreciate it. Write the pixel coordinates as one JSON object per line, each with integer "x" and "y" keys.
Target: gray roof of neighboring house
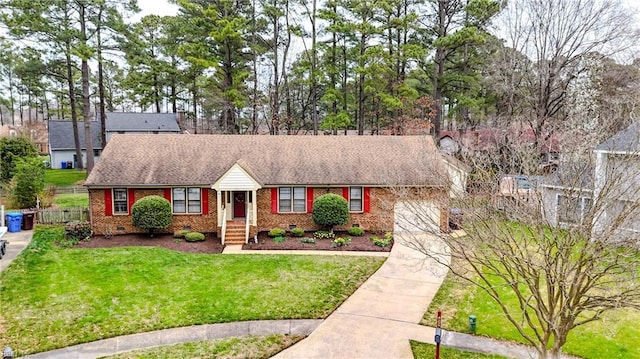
{"x": 164, "y": 159}
{"x": 571, "y": 175}
{"x": 61, "y": 135}
{"x": 141, "y": 122}
{"x": 627, "y": 140}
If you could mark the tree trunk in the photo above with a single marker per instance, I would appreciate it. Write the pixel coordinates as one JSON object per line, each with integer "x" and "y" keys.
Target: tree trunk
{"x": 103, "y": 115}
{"x": 72, "y": 104}
{"x": 86, "y": 95}
{"x": 314, "y": 86}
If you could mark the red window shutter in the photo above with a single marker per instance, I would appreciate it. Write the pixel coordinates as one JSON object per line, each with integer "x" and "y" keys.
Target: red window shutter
{"x": 131, "y": 197}
{"x": 274, "y": 200}
{"x": 205, "y": 201}
{"x": 309, "y": 199}
{"x": 345, "y": 193}
{"x": 167, "y": 194}
{"x": 367, "y": 199}
{"x": 108, "y": 202}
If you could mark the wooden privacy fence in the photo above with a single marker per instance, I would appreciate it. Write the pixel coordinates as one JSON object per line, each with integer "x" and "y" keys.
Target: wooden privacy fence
{"x": 75, "y": 189}
{"x": 60, "y": 215}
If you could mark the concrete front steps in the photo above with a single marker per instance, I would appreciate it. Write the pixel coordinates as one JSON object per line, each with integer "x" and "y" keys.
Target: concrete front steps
{"x": 235, "y": 233}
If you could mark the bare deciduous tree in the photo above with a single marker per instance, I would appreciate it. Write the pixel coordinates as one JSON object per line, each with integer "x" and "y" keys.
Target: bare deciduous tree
{"x": 567, "y": 249}
{"x": 546, "y": 42}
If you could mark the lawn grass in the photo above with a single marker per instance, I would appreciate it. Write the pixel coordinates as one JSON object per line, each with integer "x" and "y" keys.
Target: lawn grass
{"x": 428, "y": 351}
{"x": 615, "y": 336}
{"x": 54, "y": 297}
{"x": 251, "y": 347}
{"x": 71, "y": 200}
{"x": 63, "y": 178}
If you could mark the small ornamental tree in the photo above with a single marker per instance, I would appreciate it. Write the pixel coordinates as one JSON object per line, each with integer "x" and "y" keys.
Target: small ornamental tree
{"x": 330, "y": 210}
{"x": 151, "y": 213}
{"x": 28, "y": 181}
{"x": 12, "y": 149}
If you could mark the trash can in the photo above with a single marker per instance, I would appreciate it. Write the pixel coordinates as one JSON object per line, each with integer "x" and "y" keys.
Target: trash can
{"x": 63, "y": 165}
{"x": 69, "y": 164}
{"x": 27, "y": 220}
{"x": 14, "y": 221}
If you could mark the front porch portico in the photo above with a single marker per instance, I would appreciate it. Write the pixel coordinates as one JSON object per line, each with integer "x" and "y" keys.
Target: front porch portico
{"x": 236, "y": 193}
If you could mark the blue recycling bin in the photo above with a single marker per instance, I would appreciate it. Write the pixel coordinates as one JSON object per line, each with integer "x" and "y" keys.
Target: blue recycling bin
{"x": 14, "y": 221}
{"x": 63, "y": 165}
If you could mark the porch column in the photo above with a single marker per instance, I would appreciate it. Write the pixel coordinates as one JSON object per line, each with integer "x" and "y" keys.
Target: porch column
{"x": 220, "y": 206}
{"x": 254, "y": 207}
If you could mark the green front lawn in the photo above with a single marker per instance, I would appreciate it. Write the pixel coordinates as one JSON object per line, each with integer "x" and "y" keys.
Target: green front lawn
{"x": 615, "y": 336}
{"x": 54, "y": 297}
{"x": 251, "y": 347}
{"x": 72, "y": 200}
{"x": 63, "y": 178}
{"x": 428, "y": 351}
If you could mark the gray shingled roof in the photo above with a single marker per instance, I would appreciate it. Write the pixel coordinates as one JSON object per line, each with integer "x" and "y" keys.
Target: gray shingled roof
{"x": 61, "y": 135}
{"x": 141, "y": 122}
{"x": 627, "y": 140}
{"x": 571, "y": 175}
{"x": 164, "y": 159}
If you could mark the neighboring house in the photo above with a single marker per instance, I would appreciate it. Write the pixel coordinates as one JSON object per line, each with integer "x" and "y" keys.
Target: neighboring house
{"x": 263, "y": 182}
{"x": 140, "y": 123}
{"x": 62, "y": 148}
{"x": 607, "y": 194}
{"x": 617, "y": 184}
{"x": 61, "y": 133}
{"x": 567, "y": 195}
{"x": 491, "y": 142}
{"x": 458, "y": 173}
{"x": 34, "y": 130}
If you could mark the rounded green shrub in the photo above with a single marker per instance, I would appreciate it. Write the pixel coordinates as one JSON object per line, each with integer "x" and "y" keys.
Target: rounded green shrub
{"x": 194, "y": 237}
{"x": 297, "y": 232}
{"x": 356, "y": 231}
{"x": 151, "y": 213}
{"x": 330, "y": 210}
{"x": 277, "y": 232}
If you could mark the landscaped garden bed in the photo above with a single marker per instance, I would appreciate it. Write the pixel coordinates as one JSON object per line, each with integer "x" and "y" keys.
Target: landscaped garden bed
{"x": 311, "y": 241}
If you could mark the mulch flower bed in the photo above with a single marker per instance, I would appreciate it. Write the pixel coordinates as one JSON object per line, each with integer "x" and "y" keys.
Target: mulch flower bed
{"x": 362, "y": 243}
{"x": 212, "y": 243}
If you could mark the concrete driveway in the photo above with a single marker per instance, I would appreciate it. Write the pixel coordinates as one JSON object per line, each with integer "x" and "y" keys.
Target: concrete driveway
{"x": 380, "y": 318}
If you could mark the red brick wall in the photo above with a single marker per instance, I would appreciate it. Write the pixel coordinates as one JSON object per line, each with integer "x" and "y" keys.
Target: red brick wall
{"x": 380, "y": 218}
{"x": 101, "y": 223}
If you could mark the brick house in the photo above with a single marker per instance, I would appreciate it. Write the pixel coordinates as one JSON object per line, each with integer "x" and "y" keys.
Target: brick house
{"x": 217, "y": 183}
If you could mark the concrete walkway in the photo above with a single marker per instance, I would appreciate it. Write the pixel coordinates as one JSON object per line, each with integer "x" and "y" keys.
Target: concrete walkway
{"x": 377, "y": 321}
{"x": 172, "y": 336}
{"x": 16, "y": 243}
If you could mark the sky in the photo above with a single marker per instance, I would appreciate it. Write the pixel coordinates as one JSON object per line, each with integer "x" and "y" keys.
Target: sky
{"x": 156, "y": 7}
{"x": 162, "y": 7}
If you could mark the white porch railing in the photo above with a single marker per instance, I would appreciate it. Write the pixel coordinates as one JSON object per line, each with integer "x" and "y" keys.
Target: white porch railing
{"x": 224, "y": 225}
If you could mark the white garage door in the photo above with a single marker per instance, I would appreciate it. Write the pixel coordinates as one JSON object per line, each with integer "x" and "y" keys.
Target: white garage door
{"x": 417, "y": 216}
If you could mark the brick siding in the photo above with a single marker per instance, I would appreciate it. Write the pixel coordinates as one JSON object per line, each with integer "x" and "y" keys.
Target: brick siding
{"x": 102, "y": 224}
{"x": 380, "y": 218}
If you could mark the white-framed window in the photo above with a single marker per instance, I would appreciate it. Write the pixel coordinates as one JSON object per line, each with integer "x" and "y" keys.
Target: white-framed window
{"x": 33, "y": 134}
{"x": 355, "y": 199}
{"x": 292, "y": 199}
{"x": 572, "y": 209}
{"x": 186, "y": 200}
{"x": 120, "y": 201}
{"x": 13, "y": 133}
